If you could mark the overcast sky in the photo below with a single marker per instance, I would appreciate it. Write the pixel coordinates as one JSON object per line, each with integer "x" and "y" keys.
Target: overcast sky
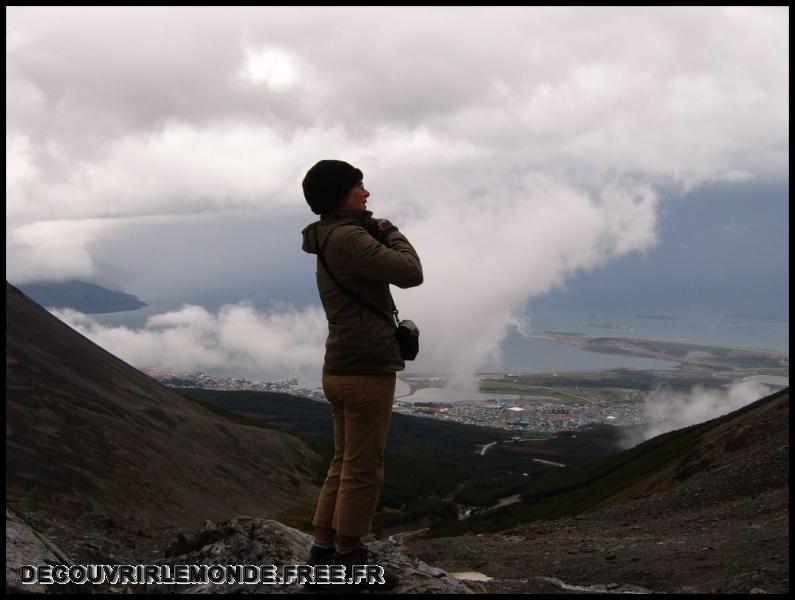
{"x": 515, "y": 147}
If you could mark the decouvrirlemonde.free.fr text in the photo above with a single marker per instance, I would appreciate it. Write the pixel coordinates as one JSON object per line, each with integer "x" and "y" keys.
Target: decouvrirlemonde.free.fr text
{"x": 200, "y": 574}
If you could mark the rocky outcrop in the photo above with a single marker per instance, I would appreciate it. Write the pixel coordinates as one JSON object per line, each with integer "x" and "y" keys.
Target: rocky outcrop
{"x": 252, "y": 541}
{"x": 238, "y": 541}
{"x": 25, "y": 546}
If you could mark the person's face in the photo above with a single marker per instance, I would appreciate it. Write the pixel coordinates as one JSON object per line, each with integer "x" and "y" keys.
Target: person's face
{"x": 357, "y": 198}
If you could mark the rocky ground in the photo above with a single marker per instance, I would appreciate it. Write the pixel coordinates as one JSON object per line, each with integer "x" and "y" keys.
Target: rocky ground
{"x": 237, "y": 541}
{"x": 738, "y": 547}
{"x": 703, "y": 545}
{"x": 734, "y": 547}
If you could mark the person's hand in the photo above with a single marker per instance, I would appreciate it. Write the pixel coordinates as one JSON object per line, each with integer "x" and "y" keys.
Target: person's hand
{"x": 371, "y": 225}
{"x": 383, "y": 229}
{"x": 380, "y": 229}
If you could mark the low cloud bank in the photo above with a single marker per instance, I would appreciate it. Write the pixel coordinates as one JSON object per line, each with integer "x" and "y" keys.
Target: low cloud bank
{"x": 668, "y": 411}
{"x": 237, "y": 341}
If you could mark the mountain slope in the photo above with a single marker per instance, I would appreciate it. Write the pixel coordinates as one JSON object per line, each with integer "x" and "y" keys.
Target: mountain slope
{"x": 657, "y": 465}
{"x": 703, "y": 509}
{"x": 94, "y": 444}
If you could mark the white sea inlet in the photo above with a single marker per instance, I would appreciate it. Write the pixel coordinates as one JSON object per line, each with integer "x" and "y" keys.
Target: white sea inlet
{"x": 769, "y": 380}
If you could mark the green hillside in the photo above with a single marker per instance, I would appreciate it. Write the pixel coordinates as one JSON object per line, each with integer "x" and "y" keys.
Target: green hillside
{"x": 430, "y": 464}
{"x": 569, "y": 491}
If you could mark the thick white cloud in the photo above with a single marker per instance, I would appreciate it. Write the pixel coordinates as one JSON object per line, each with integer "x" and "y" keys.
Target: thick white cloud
{"x": 514, "y": 145}
{"x": 54, "y": 249}
{"x": 237, "y": 340}
{"x": 683, "y": 93}
{"x": 484, "y": 259}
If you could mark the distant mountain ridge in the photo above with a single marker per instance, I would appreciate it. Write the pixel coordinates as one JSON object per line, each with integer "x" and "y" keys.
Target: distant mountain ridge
{"x": 86, "y": 297}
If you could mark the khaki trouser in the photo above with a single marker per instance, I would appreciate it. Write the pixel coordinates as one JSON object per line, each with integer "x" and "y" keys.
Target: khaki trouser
{"x": 362, "y": 407}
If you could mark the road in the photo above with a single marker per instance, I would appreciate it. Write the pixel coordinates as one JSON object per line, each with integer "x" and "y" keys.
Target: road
{"x": 486, "y": 447}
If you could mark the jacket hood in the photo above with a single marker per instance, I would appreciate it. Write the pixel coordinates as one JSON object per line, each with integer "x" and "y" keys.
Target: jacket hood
{"x": 315, "y": 234}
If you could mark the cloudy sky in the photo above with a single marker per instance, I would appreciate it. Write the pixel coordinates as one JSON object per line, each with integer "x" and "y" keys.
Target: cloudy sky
{"x": 524, "y": 151}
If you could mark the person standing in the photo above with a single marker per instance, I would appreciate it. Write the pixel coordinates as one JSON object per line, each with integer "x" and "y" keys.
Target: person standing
{"x": 362, "y": 356}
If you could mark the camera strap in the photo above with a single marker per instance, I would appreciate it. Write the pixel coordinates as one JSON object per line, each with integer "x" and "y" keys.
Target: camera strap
{"x": 352, "y": 294}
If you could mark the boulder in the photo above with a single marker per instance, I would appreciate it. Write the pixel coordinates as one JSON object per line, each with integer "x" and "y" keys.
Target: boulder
{"x": 254, "y": 541}
{"x": 25, "y": 546}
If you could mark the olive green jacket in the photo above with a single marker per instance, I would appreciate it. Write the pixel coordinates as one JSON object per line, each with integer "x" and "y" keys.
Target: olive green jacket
{"x": 359, "y": 341}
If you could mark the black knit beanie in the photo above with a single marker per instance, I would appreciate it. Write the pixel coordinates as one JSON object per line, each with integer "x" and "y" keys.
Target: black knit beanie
{"x": 328, "y": 183}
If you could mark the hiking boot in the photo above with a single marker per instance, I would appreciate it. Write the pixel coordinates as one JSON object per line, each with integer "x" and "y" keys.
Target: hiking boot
{"x": 319, "y": 556}
{"x": 363, "y": 556}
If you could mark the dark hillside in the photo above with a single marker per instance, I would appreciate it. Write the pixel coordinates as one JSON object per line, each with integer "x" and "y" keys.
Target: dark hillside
{"x": 657, "y": 465}
{"x": 701, "y": 510}
{"x": 93, "y": 444}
